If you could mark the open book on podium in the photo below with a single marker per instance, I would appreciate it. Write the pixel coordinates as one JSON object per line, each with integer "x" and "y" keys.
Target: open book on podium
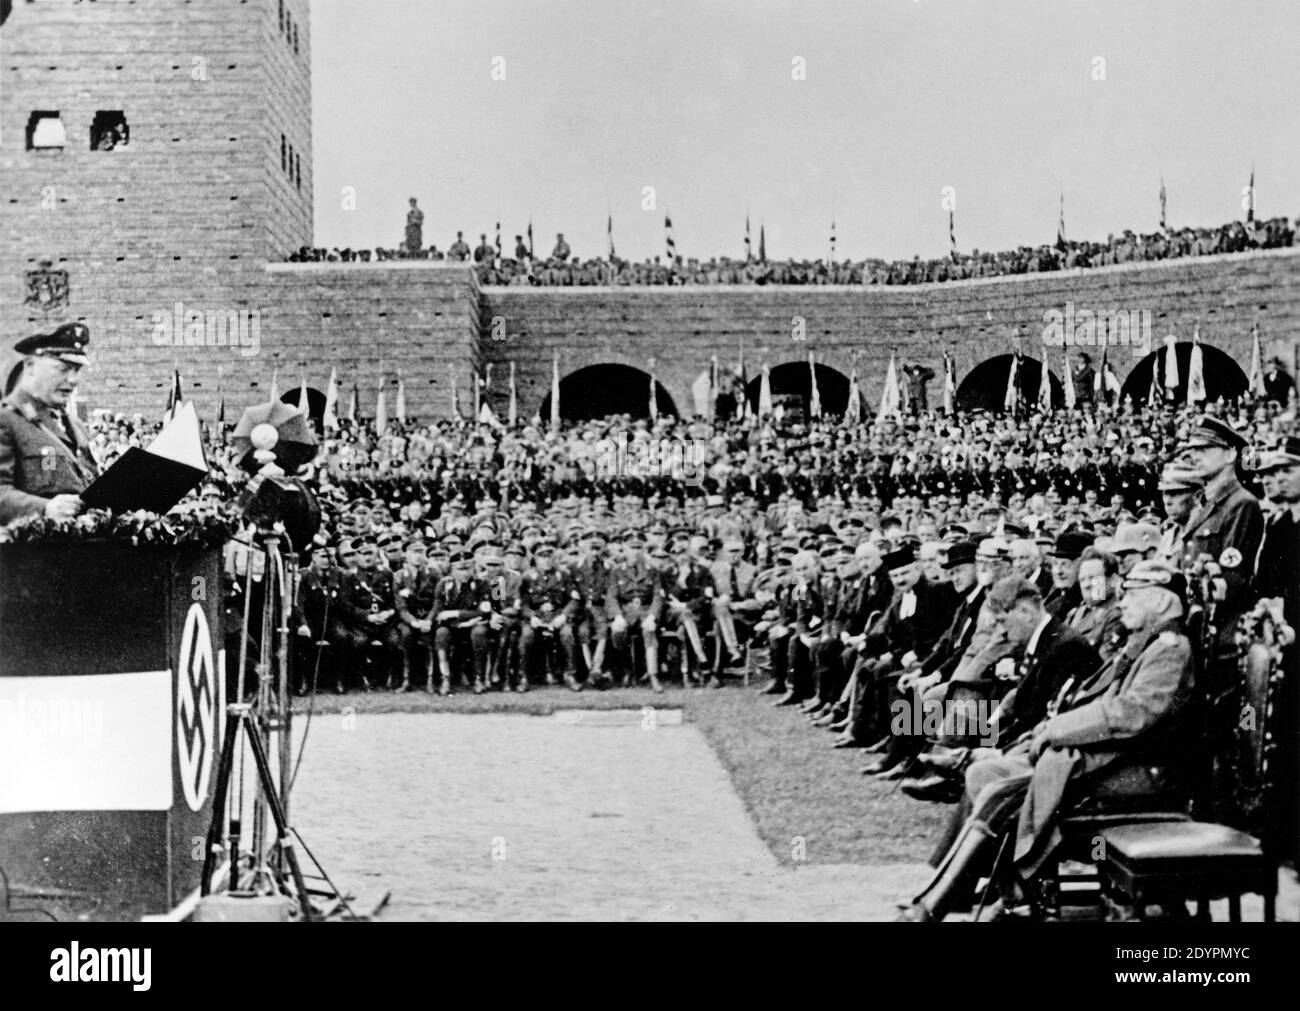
{"x": 157, "y": 477}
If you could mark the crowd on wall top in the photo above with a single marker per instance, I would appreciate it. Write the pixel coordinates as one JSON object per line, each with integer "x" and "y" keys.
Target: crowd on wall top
{"x": 498, "y": 265}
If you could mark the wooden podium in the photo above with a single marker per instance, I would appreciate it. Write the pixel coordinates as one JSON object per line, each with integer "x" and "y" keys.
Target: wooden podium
{"x": 112, "y": 710}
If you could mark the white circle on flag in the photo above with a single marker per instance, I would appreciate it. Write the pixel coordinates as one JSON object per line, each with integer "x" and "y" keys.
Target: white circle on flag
{"x": 196, "y": 706}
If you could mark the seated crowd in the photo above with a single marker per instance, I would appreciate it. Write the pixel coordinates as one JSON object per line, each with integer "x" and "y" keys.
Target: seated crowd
{"x": 563, "y": 268}
{"x": 1009, "y": 614}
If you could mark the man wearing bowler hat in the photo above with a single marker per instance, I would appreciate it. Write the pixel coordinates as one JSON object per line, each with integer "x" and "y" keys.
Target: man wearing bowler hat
{"x": 45, "y": 458}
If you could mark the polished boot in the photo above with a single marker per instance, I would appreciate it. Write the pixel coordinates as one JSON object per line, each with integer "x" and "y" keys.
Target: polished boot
{"x": 774, "y": 687}
{"x": 934, "y": 787}
{"x": 965, "y": 863}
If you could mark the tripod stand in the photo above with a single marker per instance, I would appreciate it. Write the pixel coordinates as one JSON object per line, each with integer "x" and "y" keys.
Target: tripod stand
{"x": 274, "y": 866}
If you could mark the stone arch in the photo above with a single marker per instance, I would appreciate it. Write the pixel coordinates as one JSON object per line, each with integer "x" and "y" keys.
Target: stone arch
{"x": 791, "y": 379}
{"x": 1224, "y": 378}
{"x": 316, "y": 402}
{"x": 605, "y": 388}
{"x": 985, "y": 386}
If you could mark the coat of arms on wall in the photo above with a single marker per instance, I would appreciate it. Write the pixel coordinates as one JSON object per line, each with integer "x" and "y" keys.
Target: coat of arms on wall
{"x": 47, "y": 288}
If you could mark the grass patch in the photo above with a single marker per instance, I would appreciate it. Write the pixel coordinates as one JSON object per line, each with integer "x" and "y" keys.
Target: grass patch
{"x": 796, "y": 786}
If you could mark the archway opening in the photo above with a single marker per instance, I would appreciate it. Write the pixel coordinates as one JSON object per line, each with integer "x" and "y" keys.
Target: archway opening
{"x": 792, "y": 389}
{"x": 1224, "y": 379}
{"x": 984, "y": 388}
{"x": 597, "y": 391}
{"x": 315, "y": 403}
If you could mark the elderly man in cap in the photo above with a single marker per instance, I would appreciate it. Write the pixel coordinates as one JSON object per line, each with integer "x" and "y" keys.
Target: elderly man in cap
{"x": 1120, "y": 725}
{"x": 45, "y": 457}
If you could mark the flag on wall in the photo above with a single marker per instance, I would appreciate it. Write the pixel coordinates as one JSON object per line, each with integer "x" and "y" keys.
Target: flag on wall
{"x": 1044, "y": 388}
{"x": 749, "y": 252}
{"x": 1255, "y": 384}
{"x": 555, "y": 392}
{"x": 762, "y": 244}
{"x": 381, "y": 410}
{"x": 1171, "y": 364}
{"x": 669, "y": 245}
{"x": 952, "y": 236}
{"x": 399, "y": 407}
{"x": 302, "y": 392}
{"x": 765, "y": 393}
{"x": 512, "y": 412}
{"x": 1196, "y": 370}
{"x": 949, "y": 384}
{"x": 1250, "y": 197}
{"x": 1164, "y": 226}
{"x": 853, "y": 409}
{"x": 1012, "y": 396}
{"x": 352, "y": 405}
{"x": 1069, "y": 380}
{"x": 815, "y": 396}
{"x": 742, "y": 381}
{"x": 1060, "y": 226}
{"x": 609, "y": 234}
{"x": 654, "y": 401}
{"x": 329, "y": 419}
{"x": 174, "y": 397}
{"x": 891, "y": 400}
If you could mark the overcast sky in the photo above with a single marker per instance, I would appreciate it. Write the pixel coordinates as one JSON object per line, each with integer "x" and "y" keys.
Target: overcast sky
{"x": 996, "y": 98}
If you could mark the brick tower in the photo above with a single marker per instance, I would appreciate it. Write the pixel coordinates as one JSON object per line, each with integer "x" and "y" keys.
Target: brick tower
{"x": 150, "y": 154}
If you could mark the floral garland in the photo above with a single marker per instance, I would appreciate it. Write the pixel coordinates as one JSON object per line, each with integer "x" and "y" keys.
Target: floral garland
{"x": 139, "y": 529}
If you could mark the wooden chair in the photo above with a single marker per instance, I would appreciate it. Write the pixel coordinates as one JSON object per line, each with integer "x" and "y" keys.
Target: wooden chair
{"x": 1148, "y": 862}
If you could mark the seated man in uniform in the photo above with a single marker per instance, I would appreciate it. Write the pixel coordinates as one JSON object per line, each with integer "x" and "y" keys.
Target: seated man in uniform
{"x": 1119, "y": 724}
{"x": 735, "y": 607}
{"x": 461, "y": 608}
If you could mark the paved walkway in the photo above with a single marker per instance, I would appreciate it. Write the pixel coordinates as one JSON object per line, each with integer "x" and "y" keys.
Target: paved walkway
{"x": 576, "y": 816}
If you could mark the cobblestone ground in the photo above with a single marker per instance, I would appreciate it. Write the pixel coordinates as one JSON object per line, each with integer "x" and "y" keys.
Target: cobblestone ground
{"x": 571, "y": 816}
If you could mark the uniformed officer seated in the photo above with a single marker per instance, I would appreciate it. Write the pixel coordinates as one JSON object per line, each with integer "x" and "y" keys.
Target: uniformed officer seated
{"x": 552, "y": 606}
{"x": 1123, "y": 728}
{"x": 462, "y": 608}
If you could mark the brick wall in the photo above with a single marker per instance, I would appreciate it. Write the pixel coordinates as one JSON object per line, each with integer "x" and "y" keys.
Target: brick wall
{"x": 189, "y": 210}
{"x": 975, "y": 320}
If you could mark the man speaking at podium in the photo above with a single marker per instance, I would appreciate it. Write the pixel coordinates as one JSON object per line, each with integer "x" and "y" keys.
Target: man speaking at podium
{"x": 45, "y": 458}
